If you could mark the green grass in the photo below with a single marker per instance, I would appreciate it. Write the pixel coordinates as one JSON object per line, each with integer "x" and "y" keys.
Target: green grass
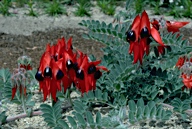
{"x": 83, "y": 8}
{"x": 55, "y": 8}
{"x": 106, "y": 6}
{"x": 4, "y": 7}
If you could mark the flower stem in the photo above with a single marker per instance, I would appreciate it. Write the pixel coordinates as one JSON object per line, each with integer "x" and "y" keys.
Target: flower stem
{"x": 69, "y": 97}
{"x": 112, "y": 106}
{"x": 22, "y": 99}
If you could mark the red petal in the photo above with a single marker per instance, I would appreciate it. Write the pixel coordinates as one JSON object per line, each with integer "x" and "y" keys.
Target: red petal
{"x": 48, "y": 48}
{"x": 156, "y": 36}
{"x": 131, "y": 47}
{"x": 145, "y": 21}
{"x": 14, "y": 89}
{"x": 136, "y": 27}
{"x": 155, "y": 24}
{"x": 136, "y": 52}
{"x": 103, "y": 68}
{"x": 87, "y": 82}
{"x": 54, "y": 67}
{"x": 62, "y": 42}
{"x": 72, "y": 74}
{"x": 143, "y": 43}
{"x": 161, "y": 49}
{"x": 136, "y": 22}
{"x": 66, "y": 82}
{"x": 69, "y": 43}
{"x": 180, "y": 61}
{"x": 95, "y": 63}
{"x": 187, "y": 81}
{"x": 52, "y": 50}
{"x": 25, "y": 91}
{"x": 141, "y": 53}
{"x": 84, "y": 63}
{"x": 45, "y": 61}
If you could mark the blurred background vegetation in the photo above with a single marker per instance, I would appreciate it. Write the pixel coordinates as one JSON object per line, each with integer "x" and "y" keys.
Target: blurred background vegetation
{"x": 176, "y": 8}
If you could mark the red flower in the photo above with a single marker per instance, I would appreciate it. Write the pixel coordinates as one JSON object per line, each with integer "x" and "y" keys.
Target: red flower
{"x": 19, "y": 80}
{"x": 87, "y": 73}
{"x": 155, "y": 24}
{"x": 174, "y": 26}
{"x": 27, "y": 67}
{"x": 180, "y": 61}
{"x": 22, "y": 90}
{"x": 138, "y": 37}
{"x": 187, "y": 80}
{"x": 59, "y": 65}
{"x": 14, "y": 89}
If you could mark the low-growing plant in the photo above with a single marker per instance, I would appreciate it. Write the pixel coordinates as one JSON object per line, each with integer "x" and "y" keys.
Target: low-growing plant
{"x": 106, "y": 7}
{"x": 21, "y": 3}
{"x": 55, "y": 8}
{"x": 31, "y": 10}
{"x": 83, "y": 8}
{"x": 143, "y": 69}
{"x": 4, "y": 7}
{"x": 178, "y": 8}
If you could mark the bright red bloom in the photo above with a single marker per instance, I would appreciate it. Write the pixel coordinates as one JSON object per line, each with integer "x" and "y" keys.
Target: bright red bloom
{"x": 155, "y": 24}
{"x": 187, "y": 80}
{"x": 28, "y": 67}
{"x": 59, "y": 65}
{"x": 180, "y": 61}
{"x": 138, "y": 37}
{"x": 87, "y": 73}
{"x": 19, "y": 76}
{"x": 174, "y": 26}
{"x": 14, "y": 89}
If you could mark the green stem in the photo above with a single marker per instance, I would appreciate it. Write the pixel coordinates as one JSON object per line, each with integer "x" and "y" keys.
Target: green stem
{"x": 112, "y": 106}
{"x": 69, "y": 97}
{"x": 22, "y": 99}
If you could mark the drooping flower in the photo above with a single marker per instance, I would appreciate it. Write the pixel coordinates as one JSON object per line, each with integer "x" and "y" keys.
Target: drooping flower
{"x": 139, "y": 35}
{"x": 187, "y": 81}
{"x": 19, "y": 76}
{"x": 87, "y": 72}
{"x": 59, "y": 65}
{"x": 181, "y": 61}
{"x": 174, "y": 26}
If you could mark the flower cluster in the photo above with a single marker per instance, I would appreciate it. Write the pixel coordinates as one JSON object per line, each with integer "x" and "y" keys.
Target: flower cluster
{"x": 141, "y": 31}
{"x": 185, "y": 65}
{"x": 139, "y": 37}
{"x": 19, "y": 76}
{"x": 60, "y": 66}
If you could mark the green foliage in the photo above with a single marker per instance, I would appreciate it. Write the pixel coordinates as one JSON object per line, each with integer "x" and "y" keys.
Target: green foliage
{"x": 178, "y": 8}
{"x": 4, "y": 7}
{"x": 55, "y": 8}
{"x": 106, "y": 6}
{"x": 181, "y": 106}
{"x": 84, "y": 116}
{"x": 83, "y": 8}
{"x": 3, "y": 117}
{"x": 5, "y": 84}
{"x": 53, "y": 116}
{"x": 21, "y": 3}
{"x": 107, "y": 34}
{"x": 139, "y": 6}
{"x": 156, "y": 7}
{"x": 139, "y": 112}
{"x": 156, "y": 80}
{"x": 31, "y": 10}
